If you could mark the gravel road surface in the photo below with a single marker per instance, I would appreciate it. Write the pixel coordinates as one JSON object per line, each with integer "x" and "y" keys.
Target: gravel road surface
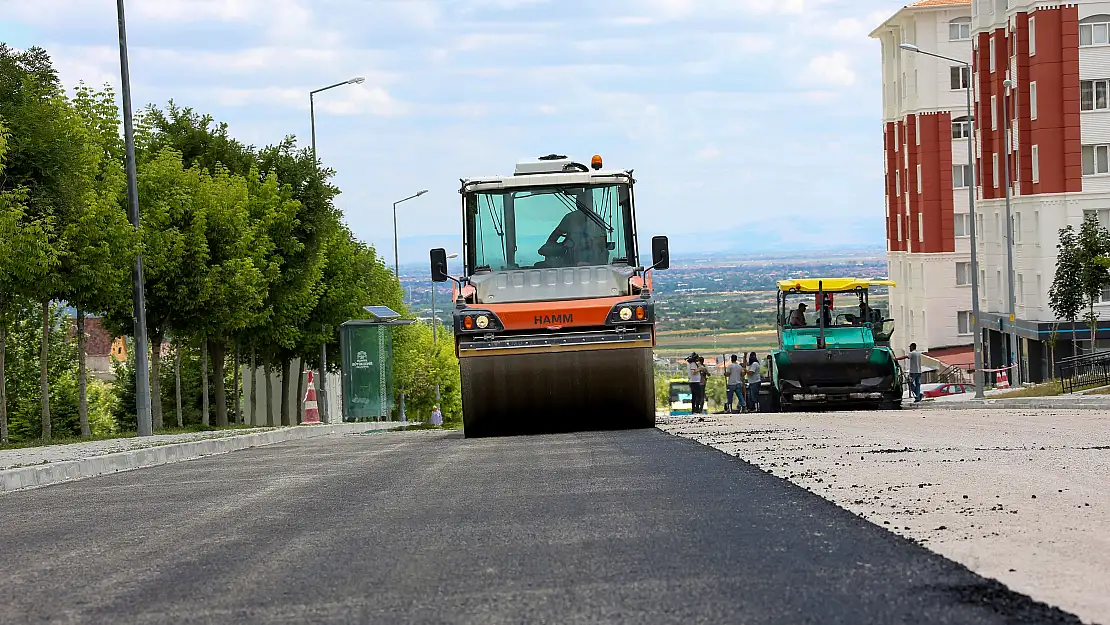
{"x": 427, "y": 527}
{"x": 1019, "y": 496}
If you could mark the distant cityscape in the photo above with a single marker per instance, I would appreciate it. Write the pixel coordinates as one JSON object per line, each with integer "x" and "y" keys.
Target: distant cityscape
{"x": 714, "y": 292}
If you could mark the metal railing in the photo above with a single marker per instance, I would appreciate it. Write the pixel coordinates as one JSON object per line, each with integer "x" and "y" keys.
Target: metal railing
{"x": 1084, "y": 371}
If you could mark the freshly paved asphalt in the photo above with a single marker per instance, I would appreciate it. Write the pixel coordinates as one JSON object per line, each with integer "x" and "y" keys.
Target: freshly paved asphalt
{"x": 426, "y": 527}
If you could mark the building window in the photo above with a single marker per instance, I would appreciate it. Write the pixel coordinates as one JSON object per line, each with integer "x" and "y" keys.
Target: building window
{"x": 963, "y": 274}
{"x": 962, "y": 222}
{"x": 895, "y": 136}
{"x": 997, "y": 228}
{"x": 994, "y": 157}
{"x": 1092, "y": 95}
{"x": 992, "y": 55}
{"x": 1093, "y": 34}
{"x": 1102, "y": 215}
{"x": 1037, "y": 227}
{"x": 963, "y": 322}
{"x": 1033, "y": 100}
{"x": 1033, "y": 36}
{"x": 961, "y": 128}
{"x": 920, "y": 228}
{"x": 903, "y": 85}
{"x": 961, "y": 176}
{"x": 959, "y": 29}
{"x": 1017, "y": 227}
{"x": 917, "y": 130}
{"x": 1096, "y": 160}
{"x": 899, "y": 227}
{"x": 959, "y": 77}
{"x": 994, "y": 112}
{"x": 1019, "y": 288}
{"x": 1035, "y": 155}
{"x": 979, "y": 227}
{"x": 1040, "y": 285}
{"x": 919, "y": 178}
{"x": 897, "y": 184}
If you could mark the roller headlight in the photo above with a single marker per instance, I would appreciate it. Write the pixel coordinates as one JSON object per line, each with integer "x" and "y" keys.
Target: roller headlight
{"x": 475, "y": 321}
{"x": 482, "y": 322}
{"x": 631, "y": 312}
{"x": 626, "y": 313}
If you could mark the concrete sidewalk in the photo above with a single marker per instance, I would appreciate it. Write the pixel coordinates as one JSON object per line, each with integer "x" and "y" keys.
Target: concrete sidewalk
{"x": 32, "y": 467}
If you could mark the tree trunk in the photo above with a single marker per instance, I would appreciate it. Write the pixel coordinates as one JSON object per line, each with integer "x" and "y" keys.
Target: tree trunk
{"x": 238, "y": 393}
{"x": 204, "y": 418}
{"x": 219, "y": 364}
{"x": 1094, "y": 327}
{"x": 269, "y": 389}
{"x": 300, "y": 395}
{"x": 1074, "y": 339}
{"x": 285, "y": 416}
{"x": 156, "y": 380}
{"x": 82, "y": 377}
{"x": 3, "y": 381}
{"x": 177, "y": 380}
{"x": 254, "y": 388}
{"x": 44, "y": 370}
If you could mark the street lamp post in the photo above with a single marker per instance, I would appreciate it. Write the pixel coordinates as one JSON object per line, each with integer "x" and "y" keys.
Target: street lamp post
{"x": 1011, "y": 327}
{"x": 978, "y": 374}
{"x": 323, "y": 391}
{"x": 435, "y": 325}
{"x": 396, "y": 265}
{"x": 142, "y": 365}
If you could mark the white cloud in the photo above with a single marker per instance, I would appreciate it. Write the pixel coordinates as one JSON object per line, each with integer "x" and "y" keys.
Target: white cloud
{"x": 831, "y": 69}
{"x": 708, "y": 153}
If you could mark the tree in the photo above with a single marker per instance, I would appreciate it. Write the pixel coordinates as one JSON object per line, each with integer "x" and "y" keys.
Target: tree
{"x": 25, "y": 258}
{"x": 51, "y": 156}
{"x": 1092, "y": 244}
{"x": 1065, "y": 296}
{"x": 97, "y": 269}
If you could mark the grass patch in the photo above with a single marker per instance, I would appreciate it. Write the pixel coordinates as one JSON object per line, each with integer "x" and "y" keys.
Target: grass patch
{"x": 1046, "y": 389}
{"x": 68, "y": 440}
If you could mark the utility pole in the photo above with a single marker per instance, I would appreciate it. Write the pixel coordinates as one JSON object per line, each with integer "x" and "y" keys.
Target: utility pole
{"x": 138, "y": 292}
{"x": 323, "y": 392}
{"x": 1006, "y": 151}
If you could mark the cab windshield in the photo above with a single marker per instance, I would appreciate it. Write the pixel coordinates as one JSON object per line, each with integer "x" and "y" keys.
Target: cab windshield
{"x": 558, "y": 226}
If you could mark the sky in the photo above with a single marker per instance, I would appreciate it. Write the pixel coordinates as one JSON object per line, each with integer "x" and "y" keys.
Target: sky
{"x": 751, "y": 125}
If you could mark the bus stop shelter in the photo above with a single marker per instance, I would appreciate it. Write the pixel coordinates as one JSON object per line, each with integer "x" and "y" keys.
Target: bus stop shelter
{"x": 366, "y": 348}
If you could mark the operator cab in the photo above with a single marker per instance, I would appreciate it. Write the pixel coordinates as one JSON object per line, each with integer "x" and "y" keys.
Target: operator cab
{"x": 555, "y": 230}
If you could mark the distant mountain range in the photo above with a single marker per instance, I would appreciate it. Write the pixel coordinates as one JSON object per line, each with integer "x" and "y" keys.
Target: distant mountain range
{"x": 767, "y": 237}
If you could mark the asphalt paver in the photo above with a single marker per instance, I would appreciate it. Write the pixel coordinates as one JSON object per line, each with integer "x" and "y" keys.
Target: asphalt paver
{"x": 429, "y": 527}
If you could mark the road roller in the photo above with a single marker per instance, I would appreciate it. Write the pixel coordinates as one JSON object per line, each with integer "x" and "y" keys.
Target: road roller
{"x": 554, "y": 318}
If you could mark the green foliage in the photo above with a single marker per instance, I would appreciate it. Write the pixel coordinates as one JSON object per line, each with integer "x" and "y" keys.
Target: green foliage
{"x": 1065, "y": 296}
{"x": 417, "y": 364}
{"x": 24, "y": 341}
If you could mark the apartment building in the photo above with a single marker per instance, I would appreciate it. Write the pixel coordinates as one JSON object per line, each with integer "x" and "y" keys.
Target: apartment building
{"x": 927, "y": 172}
{"x": 1057, "y": 106}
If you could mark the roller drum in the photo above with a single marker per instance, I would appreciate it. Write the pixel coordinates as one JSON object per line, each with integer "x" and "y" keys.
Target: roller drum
{"x": 558, "y": 391}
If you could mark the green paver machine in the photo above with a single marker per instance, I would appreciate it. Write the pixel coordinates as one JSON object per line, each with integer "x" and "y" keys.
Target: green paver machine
{"x": 833, "y": 359}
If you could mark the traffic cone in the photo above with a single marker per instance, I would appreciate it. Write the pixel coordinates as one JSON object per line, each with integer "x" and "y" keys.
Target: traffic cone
{"x": 311, "y": 410}
{"x": 1003, "y": 379}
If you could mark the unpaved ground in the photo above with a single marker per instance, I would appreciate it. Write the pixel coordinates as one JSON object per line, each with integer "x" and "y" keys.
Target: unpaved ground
{"x": 1020, "y": 496}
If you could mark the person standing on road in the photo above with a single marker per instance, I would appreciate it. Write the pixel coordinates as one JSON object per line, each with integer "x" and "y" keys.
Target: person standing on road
{"x": 914, "y": 357}
{"x": 696, "y": 389}
{"x": 754, "y": 381}
{"x": 735, "y": 386}
{"x": 704, "y": 372}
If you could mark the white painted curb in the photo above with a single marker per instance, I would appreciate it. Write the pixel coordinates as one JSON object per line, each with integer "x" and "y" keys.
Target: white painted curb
{"x": 21, "y": 478}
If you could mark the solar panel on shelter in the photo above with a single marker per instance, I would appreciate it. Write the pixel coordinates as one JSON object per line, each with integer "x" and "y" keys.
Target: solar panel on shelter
{"x": 381, "y": 312}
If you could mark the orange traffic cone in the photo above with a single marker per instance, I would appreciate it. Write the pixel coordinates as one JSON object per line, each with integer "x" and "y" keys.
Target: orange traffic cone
{"x": 311, "y": 410}
{"x": 1003, "y": 379}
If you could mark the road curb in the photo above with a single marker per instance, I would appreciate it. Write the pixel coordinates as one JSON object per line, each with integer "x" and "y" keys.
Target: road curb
{"x": 1039, "y": 403}
{"x": 22, "y": 478}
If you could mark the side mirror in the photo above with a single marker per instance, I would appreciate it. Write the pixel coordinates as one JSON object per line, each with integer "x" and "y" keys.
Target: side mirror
{"x": 439, "y": 264}
{"x": 660, "y": 253}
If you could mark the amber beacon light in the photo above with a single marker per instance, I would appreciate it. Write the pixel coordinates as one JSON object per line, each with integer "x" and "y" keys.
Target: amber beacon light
{"x": 596, "y": 162}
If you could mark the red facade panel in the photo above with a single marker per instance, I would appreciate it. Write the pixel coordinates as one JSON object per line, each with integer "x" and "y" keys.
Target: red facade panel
{"x": 1055, "y": 68}
{"x": 893, "y": 203}
{"x": 911, "y": 160}
{"x": 936, "y": 207}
